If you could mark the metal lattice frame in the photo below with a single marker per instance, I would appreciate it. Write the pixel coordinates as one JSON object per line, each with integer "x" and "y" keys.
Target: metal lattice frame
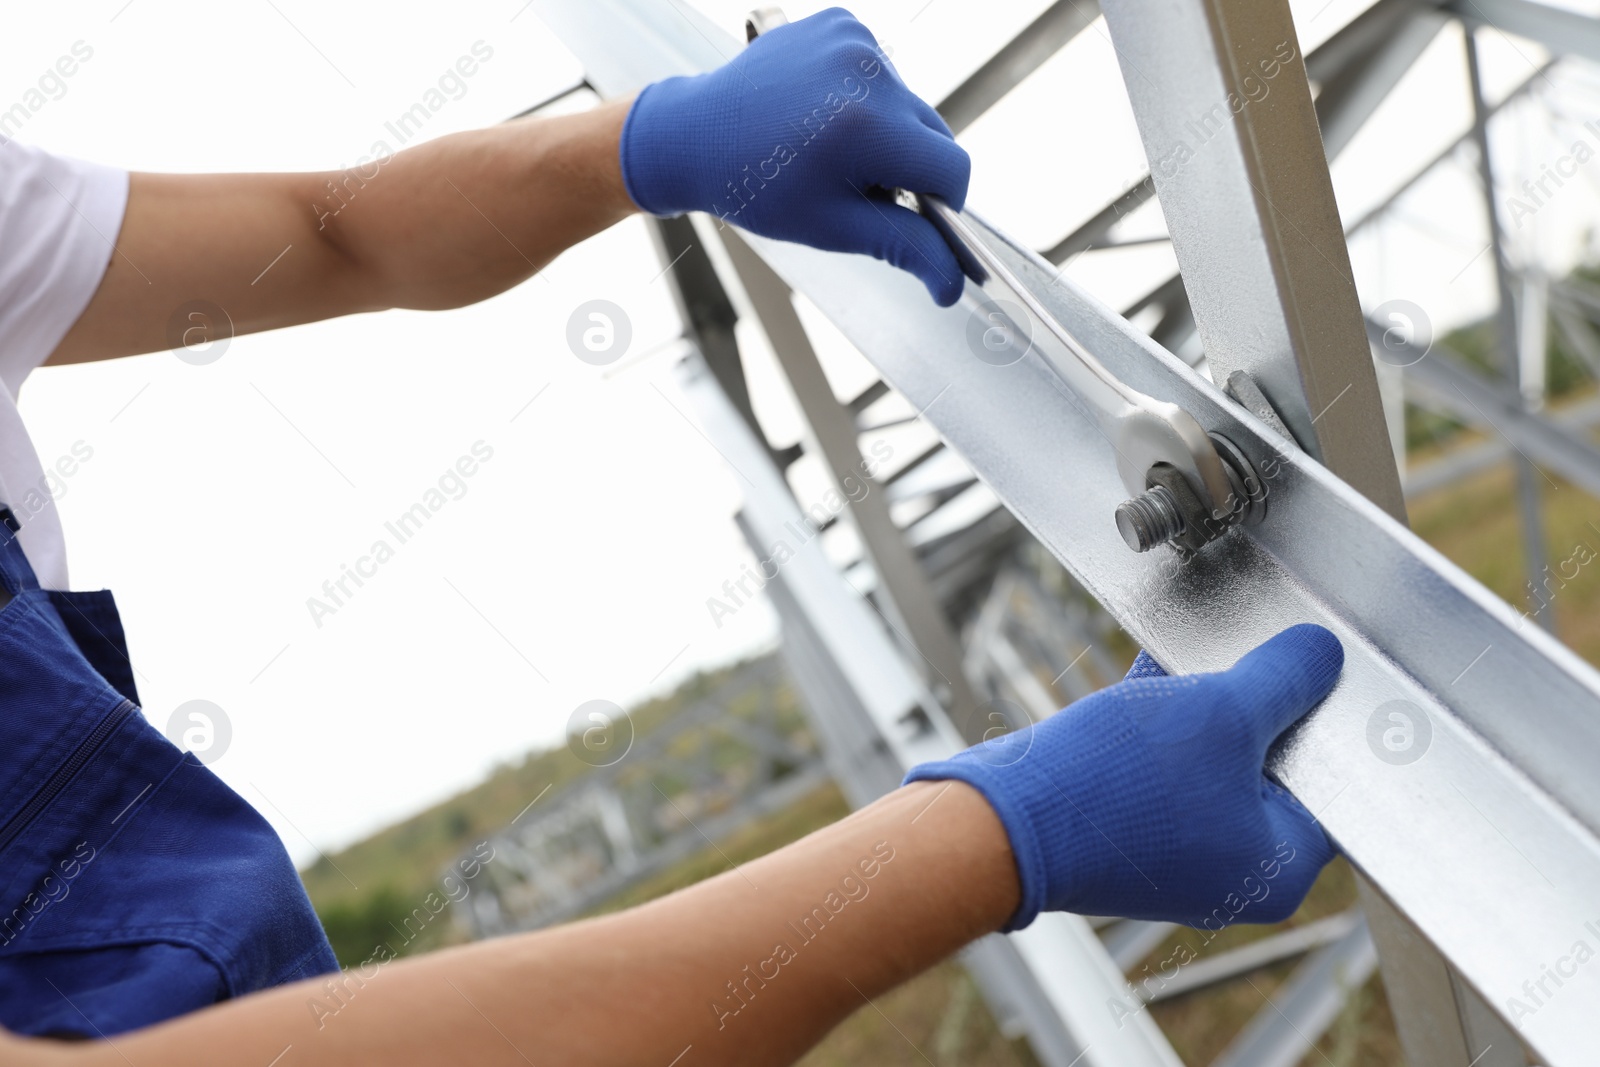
{"x": 1480, "y": 857}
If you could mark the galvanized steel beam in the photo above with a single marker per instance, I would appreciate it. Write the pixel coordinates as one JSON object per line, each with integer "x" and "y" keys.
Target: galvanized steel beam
{"x": 1420, "y": 636}
{"x": 1305, "y": 1006}
{"x": 1018, "y": 58}
{"x": 1376, "y": 212}
{"x": 1056, "y": 971}
{"x": 1448, "y": 384}
{"x": 1220, "y": 93}
{"x": 831, "y": 428}
{"x": 1502, "y": 809}
{"x": 1506, "y": 331}
{"x": 1357, "y": 67}
{"x": 1561, "y": 31}
{"x": 1354, "y": 89}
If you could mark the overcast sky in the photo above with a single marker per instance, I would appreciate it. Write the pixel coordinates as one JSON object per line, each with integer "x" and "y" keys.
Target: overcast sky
{"x": 576, "y": 561}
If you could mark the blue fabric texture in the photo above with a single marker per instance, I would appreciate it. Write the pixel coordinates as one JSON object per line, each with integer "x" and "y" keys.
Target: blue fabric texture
{"x": 134, "y": 885}
{"x": 1148, "y": 799}
{"x": 800, "y": 138}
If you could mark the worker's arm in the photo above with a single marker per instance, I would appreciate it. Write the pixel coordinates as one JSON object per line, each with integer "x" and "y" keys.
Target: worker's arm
{"x": 751, "y": 967}
{"x": 801, "y": 137}
{"x": 1145, "y": 799}
{"x": 444, "y": 224}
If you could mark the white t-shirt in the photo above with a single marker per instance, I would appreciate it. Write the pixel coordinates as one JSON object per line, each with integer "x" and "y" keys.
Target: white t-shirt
{"x": 58, "y": 221}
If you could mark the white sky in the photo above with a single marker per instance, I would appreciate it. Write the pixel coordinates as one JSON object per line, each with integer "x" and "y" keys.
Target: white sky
{"x": 220, "y": 497}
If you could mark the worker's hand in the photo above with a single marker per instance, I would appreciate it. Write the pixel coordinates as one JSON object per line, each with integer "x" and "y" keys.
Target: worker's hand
{"x": 800, "y": 138}
{"x": 1147, "y": 799}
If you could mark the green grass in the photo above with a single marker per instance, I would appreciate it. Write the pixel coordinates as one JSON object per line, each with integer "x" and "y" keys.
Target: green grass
{"x": 1477, "y": 525}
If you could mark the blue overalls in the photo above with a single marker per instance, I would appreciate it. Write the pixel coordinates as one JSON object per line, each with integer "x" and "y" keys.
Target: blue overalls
{"x": 134, "y": 885}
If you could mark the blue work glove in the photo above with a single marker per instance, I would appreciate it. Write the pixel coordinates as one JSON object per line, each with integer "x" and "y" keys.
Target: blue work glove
{"x": 800, "y": 138}
{"x": 1147, "y": 799}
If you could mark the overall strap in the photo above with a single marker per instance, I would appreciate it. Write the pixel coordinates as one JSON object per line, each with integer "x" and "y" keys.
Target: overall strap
{"x": 15, "y": 571}
{"x": 90, "y": 619}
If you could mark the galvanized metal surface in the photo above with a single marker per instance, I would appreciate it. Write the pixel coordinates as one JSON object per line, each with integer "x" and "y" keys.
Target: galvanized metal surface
{"x": 845, "y": 628}
{"x": 1308, "y": 1002}
{"x": 1057, "y": 969}
{"x": 1501, "y": 807}
{"x": 1561, "y": 31}
{"x": 832, "y": 434}
{"x": 1366, "y": 54}
{"x": 1415, "y": 628}
{"x": 1353, "y": 90}
{"x": 1142, "y": 430}
{"x": 1222, "y": 966}
{"x": 1224, "y": 108}
{"x": 1020, "y": 57}
{"x": 1442, "y": 1016}
{"x": 1506, "y": 326}
{"x": 1445, "y": 382}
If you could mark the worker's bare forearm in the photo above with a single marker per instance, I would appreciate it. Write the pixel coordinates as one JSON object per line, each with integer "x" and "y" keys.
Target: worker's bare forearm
{"x": 465, "y": 217}
{"x": 750, "y": 967}
{"x": 444, "y": 224}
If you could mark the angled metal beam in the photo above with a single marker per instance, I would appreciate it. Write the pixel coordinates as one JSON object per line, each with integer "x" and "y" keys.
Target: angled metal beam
{"x": 707, "y": 313}
{"x": 958, "y": 559}
{"x": 1441, "y": 1019}
{"x": 1170, "y": 295}
{"x": 918, "y": 617}
{"x": 1305, "y": 1006}
{"x": 1244, "y": 186}
{"x": 868, "y": 397}
{"x": 1563, "y": 32}
{"x": 845, "y": 727}
{"x": 1357, "y": 39}
{"x": 1055, "y": 973}
{"x": 1357, "y": 67}
{"x": 1581, "y": 294}
{"x": 1092, "y": 230}
{"x": 1577, "y": 330}
{"x": 1131, "y": 940}
{"x": 554, "y": 98}
{"x": 843, "y": 628}
{"x": 1375, "y": 212}
{"x": 1018, "y": 58}
{"x": 1449, "y": 385}
{"x": 1355, "y": 88}
{"x": 1577, "y": 421}
{"x": 1507, "y": 335}
{"x": 914, "y": 463}
{"x": 1415, "y": 629}
{"x": 1224, "y": 966}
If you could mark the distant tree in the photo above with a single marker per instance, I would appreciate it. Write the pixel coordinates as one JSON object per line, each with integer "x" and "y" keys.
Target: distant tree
{"x": 358, "y": 928}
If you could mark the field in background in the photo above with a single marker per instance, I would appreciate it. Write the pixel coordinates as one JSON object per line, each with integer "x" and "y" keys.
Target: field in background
{"x": 365, "y": 892}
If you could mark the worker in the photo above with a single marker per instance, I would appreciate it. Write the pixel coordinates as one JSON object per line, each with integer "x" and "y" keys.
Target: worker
{"x": 151, "y": 914}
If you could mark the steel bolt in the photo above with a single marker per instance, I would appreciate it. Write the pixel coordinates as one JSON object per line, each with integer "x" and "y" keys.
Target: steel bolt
{"x": 1152, "y": 518}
